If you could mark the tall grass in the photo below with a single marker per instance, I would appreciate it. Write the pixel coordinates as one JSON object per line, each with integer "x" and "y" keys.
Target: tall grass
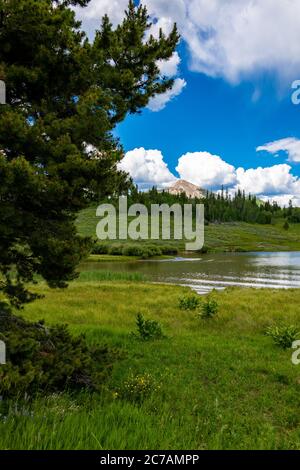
{"x": 222, "y": 383}
{"x": 99, "y": 275}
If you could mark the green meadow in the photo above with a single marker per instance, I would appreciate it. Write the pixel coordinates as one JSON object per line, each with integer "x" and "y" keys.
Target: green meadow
{"x": 211, "y": 384}
{"x": 225, "y": 237}
{"x": 218, "y": 383}
{"x": 116, "y": 361}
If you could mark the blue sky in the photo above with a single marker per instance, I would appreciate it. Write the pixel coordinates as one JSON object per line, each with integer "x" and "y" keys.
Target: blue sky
{"x": 230, "y": 118}
{"x": 215, "y": 116}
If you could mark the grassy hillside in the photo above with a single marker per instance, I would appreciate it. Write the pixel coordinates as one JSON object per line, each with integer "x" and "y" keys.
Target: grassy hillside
{"x": 215, "y": 384}
{"x": 252, "y": 237}
{"x": 222, "y": 237}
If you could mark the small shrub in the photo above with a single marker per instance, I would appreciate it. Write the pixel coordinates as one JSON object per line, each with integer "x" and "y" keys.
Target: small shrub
{"x": 137, "y": 387}
{"x": 142, "y": 251}
{"x": 151, "y": 250}
{"x": 100, "y": 249}
{"x": 169, "y": 250}
{"x": 147, "y": 329}
{"x": 48, "y": 359}
{"x": 283, "y": 335}
{"x": 132, "y": 250}
{"x": 286, "y": 225}
{"x": 209, "y": 309}
{"x": 189, "y": 302}
{"x": 115, "y": 250}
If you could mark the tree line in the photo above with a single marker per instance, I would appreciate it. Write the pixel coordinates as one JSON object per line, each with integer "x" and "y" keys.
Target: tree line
{"x": 222, "y": 206}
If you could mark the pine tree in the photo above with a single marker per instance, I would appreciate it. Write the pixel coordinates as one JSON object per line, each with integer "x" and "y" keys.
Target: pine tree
{"x": 65, "y": 95}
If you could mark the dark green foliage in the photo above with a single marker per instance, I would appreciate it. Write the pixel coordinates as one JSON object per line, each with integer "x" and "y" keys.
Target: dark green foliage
{"x": 147, "y": 330}
{"x": 151, "y": 251}
{"x": 169, "y": 250}
{"x": 209, "y": 308}
{"x": 220, "y": 207}
{"x": 133, "y": 250}
{"x": 115, "y": 250}
{"x": 264, "y": 217}
{"x": 140, "y": 250}
{"x": 293, "y": 214}
{"x": 189, "y": 302}
{"x": 100, "y": 249}
{"x": 283, "y": 335}
{"x": 65, "y": 95}
{"x": 286, "y": 225}
{"x": 44, "y": 358}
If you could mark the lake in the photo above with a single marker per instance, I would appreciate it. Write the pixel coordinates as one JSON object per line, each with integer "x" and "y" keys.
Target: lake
{"x": 280, "y": 270}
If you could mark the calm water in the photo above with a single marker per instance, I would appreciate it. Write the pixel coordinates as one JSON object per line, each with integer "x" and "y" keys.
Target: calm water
{"x": 206, "y": 272}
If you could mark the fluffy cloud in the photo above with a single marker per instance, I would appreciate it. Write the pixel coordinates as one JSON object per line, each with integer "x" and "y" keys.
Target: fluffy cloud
{"x": 274, "y": 180}
{"x": 147, "y": 168}
{"x": 283, "y": 200}
{"x": 233, "y": 39}
{"x": 96, "y": 9}
{"x": 236, "y": 38}
{"x": 169, "y": 68}
{"x": 206, "y": 170}
{"x": 290, "y": 145}
{"x": 159, "y": 102}
{"x": 275, "y": 183}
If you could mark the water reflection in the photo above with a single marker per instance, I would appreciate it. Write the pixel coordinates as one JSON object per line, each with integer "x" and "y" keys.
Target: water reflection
{"x": 289, "y": 260}
{"x": 261, "y": 270}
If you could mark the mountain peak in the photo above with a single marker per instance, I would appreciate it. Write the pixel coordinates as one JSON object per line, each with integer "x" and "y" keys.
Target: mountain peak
{"x": 190, "y": 189}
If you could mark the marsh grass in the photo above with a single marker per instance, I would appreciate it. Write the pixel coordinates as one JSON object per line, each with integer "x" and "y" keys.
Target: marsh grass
{"x": 99, "y": 275}
{"x": 223, "y": 384}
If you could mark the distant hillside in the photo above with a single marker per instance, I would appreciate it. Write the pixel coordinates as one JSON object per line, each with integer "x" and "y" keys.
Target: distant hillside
{"x": 235, "y": 236}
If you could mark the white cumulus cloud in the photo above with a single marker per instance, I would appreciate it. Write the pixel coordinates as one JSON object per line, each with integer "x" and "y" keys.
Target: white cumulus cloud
{"x": 236, "y": 38}
{"x": 92, "y": 14}
{"x": 147, "y": 168}
{"x": 169, "y": 68}
{"x": 283, "y": 200}
{"x": 274, "y": 183}
{"x": 233, "y": 39}
{"x": 159, "y": 102}
{"x": 291, "y": 146}
{"x": 206, "y": 170}
{"x": 273, "y": 180}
